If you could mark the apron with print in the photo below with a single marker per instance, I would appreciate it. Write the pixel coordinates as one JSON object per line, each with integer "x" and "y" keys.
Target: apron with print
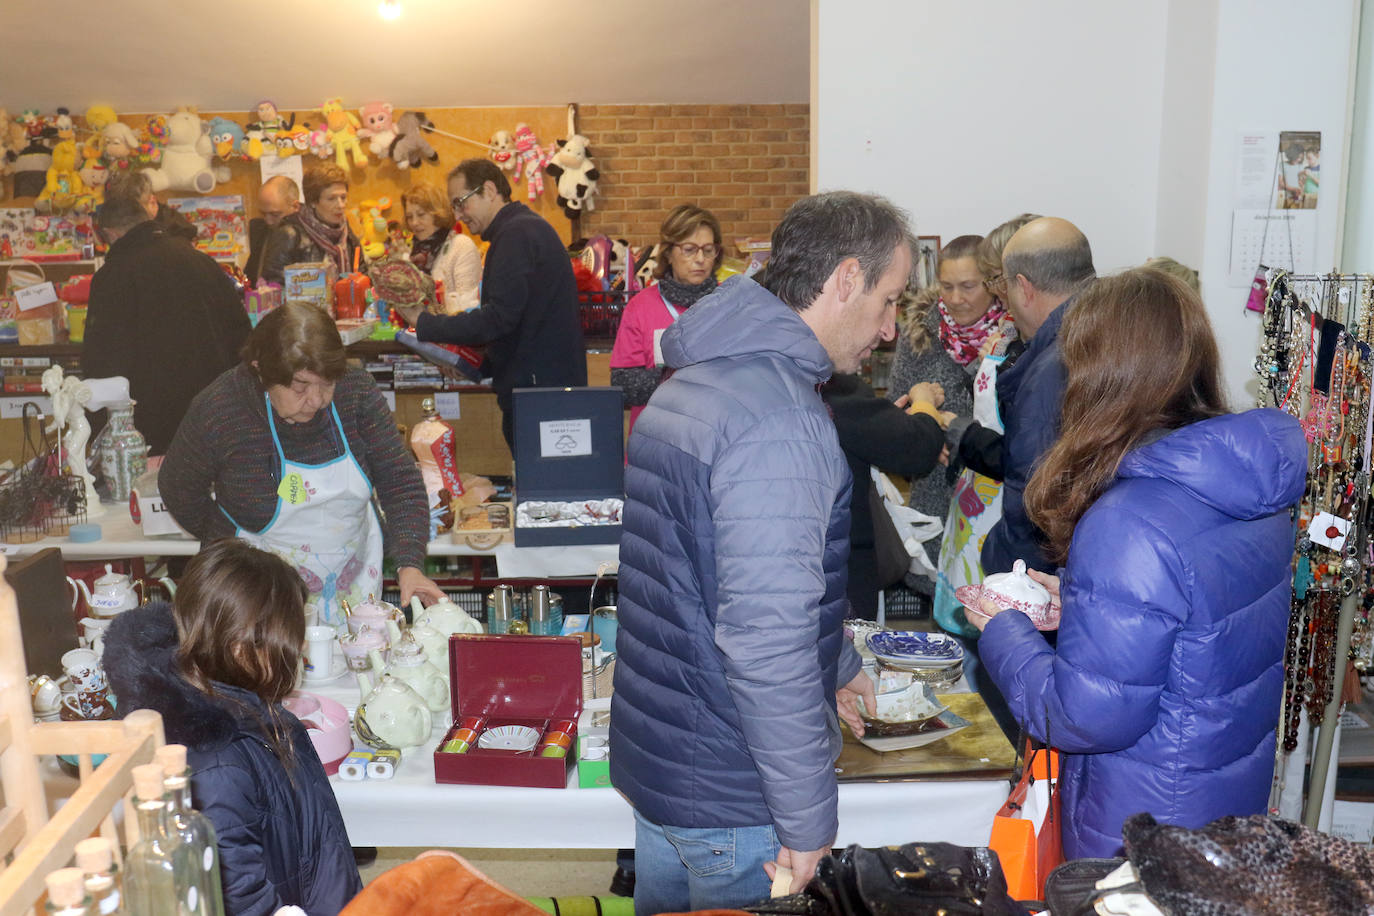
{"x": 973, "y": 509}
{"x": 326, "y": 527}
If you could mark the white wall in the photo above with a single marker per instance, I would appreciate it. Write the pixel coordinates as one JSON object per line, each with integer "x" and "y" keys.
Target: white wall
{"x": 1260, "y": 86}
{"x": 969, "y": 113}
{"x": 1118, "y": 116}
{"x": 1357, "y": 243}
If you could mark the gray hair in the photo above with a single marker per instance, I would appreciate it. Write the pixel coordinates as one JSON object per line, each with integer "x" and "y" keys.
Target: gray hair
{"x": 120, "y": 213}
{"x": 133, "y": 184}
{"x": 819, "y": 232}
{"x": 1059, "y": 271}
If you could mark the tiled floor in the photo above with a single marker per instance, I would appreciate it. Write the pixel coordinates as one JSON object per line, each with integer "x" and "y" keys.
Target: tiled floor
{"x": 528, "y": 872}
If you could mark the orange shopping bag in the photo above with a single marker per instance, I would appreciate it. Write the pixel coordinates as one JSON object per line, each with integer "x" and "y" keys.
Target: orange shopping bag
{"x": 1026, "y": 831}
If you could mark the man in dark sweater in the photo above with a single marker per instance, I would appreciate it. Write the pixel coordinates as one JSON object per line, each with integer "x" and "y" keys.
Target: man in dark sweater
{"x": 278, "y": 198}
{"x": 163, "y": 315}
{"x": 529, "y": 317}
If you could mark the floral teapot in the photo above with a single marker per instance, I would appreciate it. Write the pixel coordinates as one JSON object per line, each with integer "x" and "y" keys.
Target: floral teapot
{"x": 391, "y": 714}
{"x": 113, "y": 594}
{"x": 432, "y": 641}
{"x": 410, "y": 664}
{"x": 444, "y": 616}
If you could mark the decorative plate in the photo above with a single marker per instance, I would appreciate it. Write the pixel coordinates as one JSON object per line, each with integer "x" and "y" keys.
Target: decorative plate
{"x": 914, "y": 647}
{"x": 509, "y": 738}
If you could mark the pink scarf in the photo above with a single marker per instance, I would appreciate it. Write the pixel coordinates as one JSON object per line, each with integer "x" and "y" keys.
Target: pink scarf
{"x": 962, "y": 342}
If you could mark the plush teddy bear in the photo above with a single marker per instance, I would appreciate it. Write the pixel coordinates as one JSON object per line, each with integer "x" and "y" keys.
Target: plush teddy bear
{"x": 571, "y": 166}
{"x": 188, "y": 157}
{"x": 502, "y": 147}
{"x": 378, "y": 128}
{"x": 410, "y": 148}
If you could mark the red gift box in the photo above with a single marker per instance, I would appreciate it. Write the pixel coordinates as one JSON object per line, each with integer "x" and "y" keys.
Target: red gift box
{"x": 534, "y": 681}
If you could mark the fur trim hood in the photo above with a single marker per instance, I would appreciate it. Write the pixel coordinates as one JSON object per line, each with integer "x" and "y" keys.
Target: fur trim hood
{"x": 140, "y": 660}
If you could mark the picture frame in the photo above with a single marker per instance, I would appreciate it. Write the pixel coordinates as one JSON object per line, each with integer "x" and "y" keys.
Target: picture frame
{"x": 927, "y": 261}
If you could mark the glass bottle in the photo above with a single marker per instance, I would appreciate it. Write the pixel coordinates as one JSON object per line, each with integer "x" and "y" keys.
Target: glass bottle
{"x": 157, "y": 865}
{"x": 95, "y": 858}
{"x": 193, "y": 828}
{"x": 433, "y": 444}
{"x": 67, "y": 893}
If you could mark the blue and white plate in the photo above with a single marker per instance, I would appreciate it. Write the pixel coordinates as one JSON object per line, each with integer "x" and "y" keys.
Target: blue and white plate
{"x": 914, "y": 647}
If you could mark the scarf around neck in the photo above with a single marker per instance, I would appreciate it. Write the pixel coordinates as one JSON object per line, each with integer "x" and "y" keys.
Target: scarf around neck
{"x": 423, "y": 253}
{"x": 684, "y": 295}
{"x": 333, "y": 240}
{"x": 962, "y": 342}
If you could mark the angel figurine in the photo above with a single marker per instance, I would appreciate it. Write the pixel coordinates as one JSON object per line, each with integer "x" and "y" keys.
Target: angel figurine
{"x": 70, "y": 396}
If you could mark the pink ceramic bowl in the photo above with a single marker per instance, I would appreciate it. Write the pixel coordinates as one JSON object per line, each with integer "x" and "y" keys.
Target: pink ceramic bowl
{"x": 327, "y": 723}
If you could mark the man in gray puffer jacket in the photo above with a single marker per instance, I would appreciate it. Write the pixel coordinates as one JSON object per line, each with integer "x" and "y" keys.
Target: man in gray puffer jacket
{"x": 732, "y": 659}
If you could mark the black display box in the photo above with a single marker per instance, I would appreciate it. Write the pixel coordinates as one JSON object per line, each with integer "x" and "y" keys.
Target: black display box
{"x": 569, "y": 446}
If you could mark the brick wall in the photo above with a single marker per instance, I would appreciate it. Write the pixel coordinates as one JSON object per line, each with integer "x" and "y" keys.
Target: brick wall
{"x": 744, "y": 163}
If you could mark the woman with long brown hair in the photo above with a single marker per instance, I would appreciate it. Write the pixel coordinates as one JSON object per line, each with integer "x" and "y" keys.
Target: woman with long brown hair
{"x": 216, "y": 665}
{"x": 1171, "y": 517}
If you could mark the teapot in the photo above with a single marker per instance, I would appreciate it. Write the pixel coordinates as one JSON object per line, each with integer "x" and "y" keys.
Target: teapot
{"x": 373, "y": 613}
{"x": 431, "y": 640}
{"x": 409, "y": 664}
{"x": 1018, "y": 590}
{"x": 113, "y": 594}
{"x": 391, "y": 714}
{"x": 445, "y": 617}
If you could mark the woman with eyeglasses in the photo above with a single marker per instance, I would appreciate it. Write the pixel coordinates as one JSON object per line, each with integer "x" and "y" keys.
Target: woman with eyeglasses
{"x": 690, "y": 252}
{"x": 295, "y": 453}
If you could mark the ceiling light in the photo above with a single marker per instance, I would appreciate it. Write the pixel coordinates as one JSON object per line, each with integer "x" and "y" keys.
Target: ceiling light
{"x": 389, "y": 9}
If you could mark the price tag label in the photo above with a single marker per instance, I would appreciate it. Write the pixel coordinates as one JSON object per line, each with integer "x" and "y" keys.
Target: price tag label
{"x": 446, "y": 402}
{"x": 293, "y": 490}
{"x": 36, "y": 296}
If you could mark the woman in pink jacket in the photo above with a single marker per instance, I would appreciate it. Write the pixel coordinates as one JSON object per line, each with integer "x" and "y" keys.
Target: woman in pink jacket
{"x": 690, "y": 251}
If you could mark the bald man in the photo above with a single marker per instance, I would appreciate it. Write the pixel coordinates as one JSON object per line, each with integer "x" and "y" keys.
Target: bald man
{"x": 1046, "y": 263}
{"x": 278, "y": 198}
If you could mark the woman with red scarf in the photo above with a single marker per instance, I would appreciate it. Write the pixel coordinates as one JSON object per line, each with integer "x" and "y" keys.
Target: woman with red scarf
{"x": 946, "y": 332}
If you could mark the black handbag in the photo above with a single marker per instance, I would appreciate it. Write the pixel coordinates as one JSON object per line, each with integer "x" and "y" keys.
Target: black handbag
{"x": 911, "y": 880}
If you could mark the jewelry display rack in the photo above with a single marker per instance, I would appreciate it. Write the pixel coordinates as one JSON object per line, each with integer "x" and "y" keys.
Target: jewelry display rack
{"x": 1315, "y": 364}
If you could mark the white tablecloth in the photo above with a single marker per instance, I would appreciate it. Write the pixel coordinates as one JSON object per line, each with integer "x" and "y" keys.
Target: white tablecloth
{"x": 412, "y": 810}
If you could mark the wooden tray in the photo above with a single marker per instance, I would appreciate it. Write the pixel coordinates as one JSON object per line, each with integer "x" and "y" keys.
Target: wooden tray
{"x": 980, "y": 751}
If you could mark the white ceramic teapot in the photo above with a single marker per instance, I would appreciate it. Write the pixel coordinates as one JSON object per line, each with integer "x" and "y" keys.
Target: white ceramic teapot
{"x": 410, "y": 664}
{"x": 445, "y": 617}
{"x": 432, "y": 641}
{"x": 1018, "y": 590}
{"x": 391, "y": 714}
{"x": 113, "y": 594}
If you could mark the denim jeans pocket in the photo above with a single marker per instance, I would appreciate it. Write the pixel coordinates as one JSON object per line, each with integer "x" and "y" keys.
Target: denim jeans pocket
{"x": 705, "y": 851}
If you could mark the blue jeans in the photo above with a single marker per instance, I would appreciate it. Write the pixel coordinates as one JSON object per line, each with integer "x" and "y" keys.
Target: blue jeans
{"x": 679, "y": 869}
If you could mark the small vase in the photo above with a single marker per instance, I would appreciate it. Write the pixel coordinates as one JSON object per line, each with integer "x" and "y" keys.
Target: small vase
{"x": 123, "y": 453}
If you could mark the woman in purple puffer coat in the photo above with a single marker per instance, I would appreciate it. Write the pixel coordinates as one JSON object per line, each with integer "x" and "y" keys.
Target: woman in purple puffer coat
{"x": 1172, "y": 519}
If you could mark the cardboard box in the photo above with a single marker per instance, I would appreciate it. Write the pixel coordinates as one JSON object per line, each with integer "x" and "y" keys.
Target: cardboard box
{"x": 311, "y": 282}
{"x": 499, "y": 517}
{"x": 569, "y": 447}
{"x": 533, "y": 681}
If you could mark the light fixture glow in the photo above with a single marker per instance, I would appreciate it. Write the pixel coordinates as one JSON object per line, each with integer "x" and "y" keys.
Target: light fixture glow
{"x": 389, "y": 9}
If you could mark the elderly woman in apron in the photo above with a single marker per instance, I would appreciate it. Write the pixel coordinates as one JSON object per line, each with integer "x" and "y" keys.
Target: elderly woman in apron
{"x": 297, "y": 454}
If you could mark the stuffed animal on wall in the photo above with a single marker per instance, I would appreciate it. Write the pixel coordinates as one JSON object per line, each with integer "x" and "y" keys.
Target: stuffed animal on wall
{"x": 647, "y": 262}
{"x": 119, "y": 144}
{"x": 7, "y": 143}
{"x": 187, "y": 158}
{"x": 343, "y": 133}
{"x": 572, "y": 168}
{"x": 410, "y": 148}
{"x": 94, "y": 175}
{"x": 63, "y": 185}
{"x": 227, "y": 139}
{"x": 368, "y": 222}
{"x": 502, "y": 147}
{"x": 530, "y": 158}
{"x": 270, "y": 122}
{"x": 378, "y": 128}
{"x": 35, "y": 158}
